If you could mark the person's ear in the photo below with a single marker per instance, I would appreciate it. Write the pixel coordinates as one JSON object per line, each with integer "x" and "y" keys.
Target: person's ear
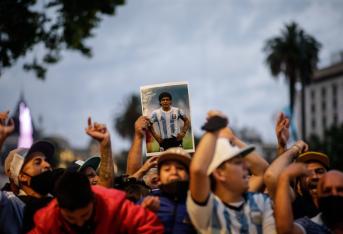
{"x": 219, "y": 175}
{"x": 23, "y": 178}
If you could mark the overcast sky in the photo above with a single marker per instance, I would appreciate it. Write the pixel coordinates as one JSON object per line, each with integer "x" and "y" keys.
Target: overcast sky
{"x": 214, "y": 45}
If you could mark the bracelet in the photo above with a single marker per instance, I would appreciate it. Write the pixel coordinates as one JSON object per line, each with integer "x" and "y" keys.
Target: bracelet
{"x": 215, "y": 123}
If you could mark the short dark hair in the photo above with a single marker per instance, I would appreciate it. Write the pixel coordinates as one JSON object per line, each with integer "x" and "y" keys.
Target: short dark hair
{"x": 164, "y": 94}
{"x": 73, "y": 191}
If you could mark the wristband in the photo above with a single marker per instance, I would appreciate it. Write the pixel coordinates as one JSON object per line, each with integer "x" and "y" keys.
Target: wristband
{"x": 215, "y": 123}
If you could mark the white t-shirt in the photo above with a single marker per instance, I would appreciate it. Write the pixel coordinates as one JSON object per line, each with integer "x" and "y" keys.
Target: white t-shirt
{"x": 168, "y": 121}
{"x": 255, "y": 215}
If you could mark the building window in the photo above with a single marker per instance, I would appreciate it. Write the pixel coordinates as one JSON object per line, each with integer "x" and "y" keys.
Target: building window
{"x": 313, "y": 94}
{"x": 334, "y": 89}
{"x": 324, "y": 122}
{"x": 335, "y": 119}
{"x": 323, "y": 92}
{"x": 323, "y": 105}
{"x": 334, "y": 96}
{"x": 313, "y": 124}
{"x": 313, "y": 108}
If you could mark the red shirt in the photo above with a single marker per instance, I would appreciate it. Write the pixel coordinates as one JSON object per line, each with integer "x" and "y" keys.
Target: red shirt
{"x": 113, "y": 214}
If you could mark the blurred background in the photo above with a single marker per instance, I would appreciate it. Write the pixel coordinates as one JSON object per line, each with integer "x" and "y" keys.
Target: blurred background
{"x": 67, "y": 60}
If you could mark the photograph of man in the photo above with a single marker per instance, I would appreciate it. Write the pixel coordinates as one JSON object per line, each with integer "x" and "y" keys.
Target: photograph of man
{"x": 168, "y": 118}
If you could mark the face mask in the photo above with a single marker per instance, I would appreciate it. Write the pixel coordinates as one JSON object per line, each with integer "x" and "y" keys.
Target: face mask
{"x": 176, "y": 189}
{"x": 331, "y": 208}
{"x": 44, "y": 183}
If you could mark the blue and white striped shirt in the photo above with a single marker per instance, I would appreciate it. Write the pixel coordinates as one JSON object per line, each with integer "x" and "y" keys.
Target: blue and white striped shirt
{"x": 168, "y": 122}
{"x": 254, "y": 216}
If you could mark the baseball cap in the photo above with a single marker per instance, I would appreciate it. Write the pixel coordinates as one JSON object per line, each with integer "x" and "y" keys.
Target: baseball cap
{"x": 225, "y": 151}
{"x": 175, "y": 154}
{"x": 314, "y": 156}
{"x": 17, "y": 158}
{"x": 79, "y": 165}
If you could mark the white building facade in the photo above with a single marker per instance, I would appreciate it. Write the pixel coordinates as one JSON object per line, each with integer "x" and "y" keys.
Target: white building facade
{"x": 324, "y": 100}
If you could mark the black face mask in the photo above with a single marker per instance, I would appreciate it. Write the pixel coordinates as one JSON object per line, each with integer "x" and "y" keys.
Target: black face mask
{"x": 332, "y": 208}
{"x": 176, "y": 189}
{"x": 44, "y": 183}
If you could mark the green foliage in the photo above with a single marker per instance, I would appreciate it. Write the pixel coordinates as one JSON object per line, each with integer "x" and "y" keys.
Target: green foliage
{"x": 55, "y": 25}
{"x": 125, "y": 122}
{"x": 330, "y": 144}
{"x": 294, "y": 54}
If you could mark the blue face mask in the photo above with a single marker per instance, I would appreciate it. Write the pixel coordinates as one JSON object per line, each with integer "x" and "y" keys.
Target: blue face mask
{"x": 332, "y": 211}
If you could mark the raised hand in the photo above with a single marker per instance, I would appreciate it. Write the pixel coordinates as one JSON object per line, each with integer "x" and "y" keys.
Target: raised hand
{"x": 300, "y": 147}
{"x": 98, "y": 131}
{"x": 282, "y": 129}
{"x": 6, "y": 125}
{"x": 141, "y": 125}
{"x": 151, "y": 162}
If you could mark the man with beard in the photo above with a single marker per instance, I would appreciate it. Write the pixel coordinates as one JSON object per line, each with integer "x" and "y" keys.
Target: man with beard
{"x": 169, "y": 203}
{"x": 82, "y": 208}
{"x": 306, "y": 200}
{"x": 305, "y": 192}
{"x": 330, "y": 203}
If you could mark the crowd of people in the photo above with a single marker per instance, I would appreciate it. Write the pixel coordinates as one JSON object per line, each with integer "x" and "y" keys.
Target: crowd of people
{"x": 225, "y": 186}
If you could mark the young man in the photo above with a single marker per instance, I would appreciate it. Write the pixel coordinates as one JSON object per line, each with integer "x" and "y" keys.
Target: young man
{"x": 88, "y": 167}
{"x": 169, "y": 203}
{"x": 305, "y": 198}
{"x": 223, "y": 204}
{"x": 167, "y": 118}
{"x": 31, "y": 172}
{"x": 330, "y": 203}
{"x": 100, "y": 133}
{"x": 82, "y": 208}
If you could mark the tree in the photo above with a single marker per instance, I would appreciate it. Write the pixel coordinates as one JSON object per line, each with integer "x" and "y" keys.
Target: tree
{"x": 51, "y": 25}
{"x": 125, "y": 122}
{"x": 294, "y": 54}
{"x": 330, "y": 144}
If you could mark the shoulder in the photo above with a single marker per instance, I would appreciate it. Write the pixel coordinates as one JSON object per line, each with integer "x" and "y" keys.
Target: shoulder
{"x": 260, "y": 201}
{"x": 308, "y": 226}
{"x": 108, "y": 194}
{"x": 262, "y": 197}
{"x": 47, "y": 215}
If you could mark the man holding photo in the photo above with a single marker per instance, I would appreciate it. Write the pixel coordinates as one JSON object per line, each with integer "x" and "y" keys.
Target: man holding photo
{"x": 167, "y": 118}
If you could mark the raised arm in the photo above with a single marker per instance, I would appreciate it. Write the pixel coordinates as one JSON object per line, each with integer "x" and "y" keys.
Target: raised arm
{"x": 134, "y": 160}
{"x": 151, "y": 162}
{"x": 284, "y": 198}
{"x": 200, "y": 182}
{"x": 6, "y": 127}
{"x": 273, "y": 172}
{"x": 257, "y": 164}
{"x": 100, "y": 133}
{"x": 282, "y": 133}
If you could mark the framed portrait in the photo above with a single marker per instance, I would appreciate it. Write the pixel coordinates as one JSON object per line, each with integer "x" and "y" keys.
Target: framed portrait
{"x": 168, "y": 108}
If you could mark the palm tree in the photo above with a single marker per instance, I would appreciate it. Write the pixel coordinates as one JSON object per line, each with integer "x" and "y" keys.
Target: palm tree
{"x": 294, "y": 54}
